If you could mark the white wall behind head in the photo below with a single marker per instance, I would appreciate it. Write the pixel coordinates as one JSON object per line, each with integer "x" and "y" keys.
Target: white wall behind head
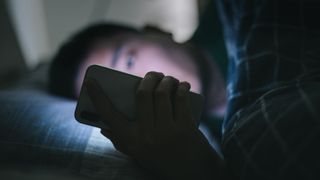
{"x": 30, "y": 28}
{"x": 177, "y": 16}
{"x": 64, "y": 17}
{"x": 42, "y": 25}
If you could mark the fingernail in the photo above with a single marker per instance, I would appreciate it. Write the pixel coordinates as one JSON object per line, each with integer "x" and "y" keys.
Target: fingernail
{"x": 153, "y": 73}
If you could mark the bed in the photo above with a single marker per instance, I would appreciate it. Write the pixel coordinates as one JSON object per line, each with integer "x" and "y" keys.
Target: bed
{"x": 39, "y": 138}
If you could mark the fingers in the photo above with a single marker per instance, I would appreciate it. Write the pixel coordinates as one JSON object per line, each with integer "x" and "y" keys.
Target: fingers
{"x": 156, "y": 99}
{"x": 145, "y": 100}
{"x": 163, "y": 101}
{"x": 182, "y": 105}
{"x": 104, "y": 107}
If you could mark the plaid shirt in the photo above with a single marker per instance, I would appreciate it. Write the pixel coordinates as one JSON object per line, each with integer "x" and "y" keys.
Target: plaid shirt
{"x": 272, "y": 128}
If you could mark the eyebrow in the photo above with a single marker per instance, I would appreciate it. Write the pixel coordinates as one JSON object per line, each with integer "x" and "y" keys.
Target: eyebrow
{"x": 116, "y": 55}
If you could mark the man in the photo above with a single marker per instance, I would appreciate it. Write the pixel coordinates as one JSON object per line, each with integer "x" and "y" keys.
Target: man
{"x": 39, "y": 133}
{"x": 272, "y": 126}
{"x": 135, "y": 52}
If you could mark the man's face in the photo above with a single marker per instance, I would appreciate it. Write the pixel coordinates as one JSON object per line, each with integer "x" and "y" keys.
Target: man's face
{"x": 138, "y": 55}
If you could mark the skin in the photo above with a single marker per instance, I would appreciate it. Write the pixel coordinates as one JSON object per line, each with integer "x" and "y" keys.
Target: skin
{"x": 164, "y": 138}
{"x": 147, "y": 54}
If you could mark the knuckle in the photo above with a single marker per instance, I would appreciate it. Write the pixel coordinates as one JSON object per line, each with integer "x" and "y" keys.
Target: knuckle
{"x": 183, "y": 89}
{"x": 185, "y": 85}
{"x": 150, "y": 73}
{"x": 171, "y": 79}
{"x": 153, "y": 74}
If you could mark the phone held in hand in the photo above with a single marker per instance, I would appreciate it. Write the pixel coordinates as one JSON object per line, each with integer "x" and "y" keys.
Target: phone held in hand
{"x": 120, "y": 88}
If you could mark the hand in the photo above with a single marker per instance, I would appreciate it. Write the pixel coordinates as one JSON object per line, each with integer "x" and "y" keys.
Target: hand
{"x": 164, "y": 137}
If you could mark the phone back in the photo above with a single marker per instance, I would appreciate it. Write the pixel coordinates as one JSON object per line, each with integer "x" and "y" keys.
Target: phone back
{"x": 120, "y": 89}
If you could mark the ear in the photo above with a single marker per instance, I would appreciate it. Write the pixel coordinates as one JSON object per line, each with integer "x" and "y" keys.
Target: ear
{"x": 155, "y": 31}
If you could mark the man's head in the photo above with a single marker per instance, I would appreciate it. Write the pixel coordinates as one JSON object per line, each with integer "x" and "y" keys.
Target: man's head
{"x": 135, "y": 52}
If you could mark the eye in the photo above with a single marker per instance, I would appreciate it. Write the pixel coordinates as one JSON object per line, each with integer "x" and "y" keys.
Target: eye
{"x": 130, "y": 60}
{"x": 116, "y": 55}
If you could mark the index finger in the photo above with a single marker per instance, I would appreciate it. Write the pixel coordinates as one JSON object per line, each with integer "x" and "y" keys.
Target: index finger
{"x": 183, "y": 111}
{"x": 145, "y": 101}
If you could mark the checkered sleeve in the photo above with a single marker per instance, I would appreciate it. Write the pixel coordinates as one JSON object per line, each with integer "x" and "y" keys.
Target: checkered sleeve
{"x": 272, "y": 126}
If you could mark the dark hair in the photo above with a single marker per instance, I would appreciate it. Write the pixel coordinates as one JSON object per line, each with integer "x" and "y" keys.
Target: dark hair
{"x": 65, "y": 64}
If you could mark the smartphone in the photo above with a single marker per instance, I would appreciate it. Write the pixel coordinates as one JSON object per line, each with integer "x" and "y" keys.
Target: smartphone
{"x": 120, "y": 88}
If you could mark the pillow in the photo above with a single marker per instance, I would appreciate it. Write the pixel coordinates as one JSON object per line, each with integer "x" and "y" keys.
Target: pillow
{"x": 39, "y": 135}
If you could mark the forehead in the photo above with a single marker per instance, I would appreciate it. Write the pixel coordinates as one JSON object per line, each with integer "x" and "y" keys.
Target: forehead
{"x": 145, "y": 43}
{"x": 164, "y": 43}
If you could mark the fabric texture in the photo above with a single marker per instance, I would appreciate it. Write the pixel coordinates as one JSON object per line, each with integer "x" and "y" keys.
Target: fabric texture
{"x": 272, "y": 127}
{"x": 39, "y": 135}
